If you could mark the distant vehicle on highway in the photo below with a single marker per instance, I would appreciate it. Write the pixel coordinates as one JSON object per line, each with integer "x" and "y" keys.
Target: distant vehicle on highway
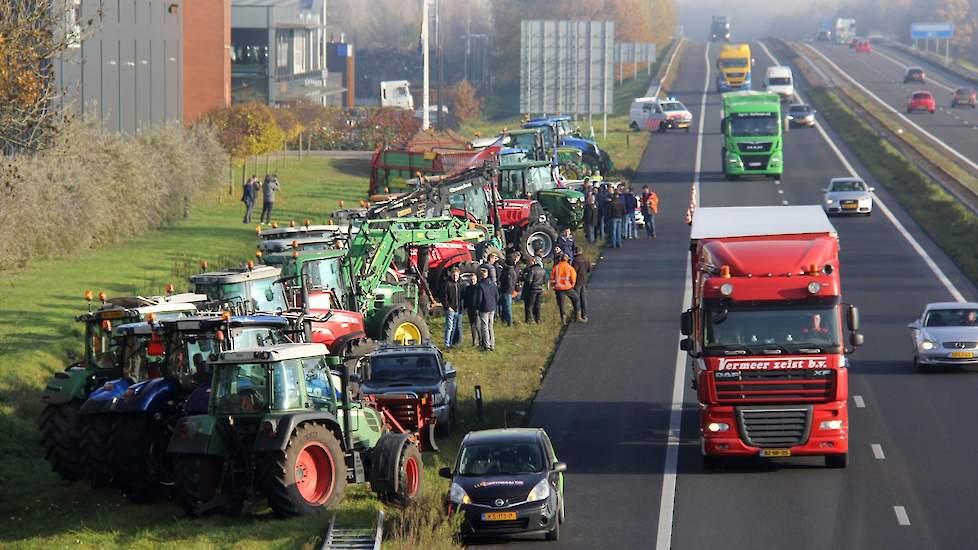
{"x": 669, "y": 114}
{"x": 863, "y": 46}
{"x": 964, "y": 96}
{"x": 848, "y": 196}
{"x": 507, "y": 482}
{"x": 396, "y": 94}
{"x": 922, "y": 101}
{"x": 915, "y": 74}
{"x": 946, "y": 334}
{"x": 779, "y": 80}
{"x": 800, "y": 114}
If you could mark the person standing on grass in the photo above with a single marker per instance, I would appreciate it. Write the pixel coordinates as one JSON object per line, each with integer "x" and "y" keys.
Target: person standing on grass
{"x": 249, "y": 194}
{"x": 631, "y": 205}
{"x": 507, "y": 286}
{"x": 590, "y": 217}
{"x": 487, "y": 300}
{"x": 534, "y": 281}
{"x": 566, "y": 243}
{"x": 472, "y": 309}
{"x": 582, "y": 269}
{"x": 453, "y": 300}
{"x": 564, "y": 279}
{"x": 650, "y": 207}
{"x": 268, "y": 190}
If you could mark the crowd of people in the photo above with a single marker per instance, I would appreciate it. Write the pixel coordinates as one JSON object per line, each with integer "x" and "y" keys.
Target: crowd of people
{"x": 249, "y": 196}
{"x": 610, "y": 211}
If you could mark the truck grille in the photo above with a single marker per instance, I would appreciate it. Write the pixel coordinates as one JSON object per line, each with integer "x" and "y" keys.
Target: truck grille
{"x": 960, "y": 345}
{"x": 774, "y": 427}
{"x": 760, "y": 147}
{"x": 774, "y": 386}
{"x": 755, "y": 162}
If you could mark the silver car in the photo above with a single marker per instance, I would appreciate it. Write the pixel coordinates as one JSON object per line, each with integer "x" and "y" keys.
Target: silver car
{"x": 848, "y": 196}
{"x": 946, "y": 334}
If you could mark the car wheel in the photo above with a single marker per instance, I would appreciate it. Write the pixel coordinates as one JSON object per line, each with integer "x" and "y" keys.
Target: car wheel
{"x": 909, "y": 110}
{"x": 837, "y": 461}
{"x": 633, "y": 125}
{"x": 561, "y": 514}
{"x": 711, "y": 462}
{"x": 554, "y": 534}
{"x": 921, "y": 367}
{"x": 932, "y": 111}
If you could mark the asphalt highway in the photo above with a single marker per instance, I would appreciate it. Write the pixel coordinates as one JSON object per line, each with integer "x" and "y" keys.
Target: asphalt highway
{"x": 881, "y": 72}
{"x": 607, "y": 398}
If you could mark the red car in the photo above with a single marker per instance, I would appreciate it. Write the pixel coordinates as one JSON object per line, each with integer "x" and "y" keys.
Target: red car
{"x": 964, "y": 96}
{"x": 922, "y": 101}
{"x": 864, "y": 46}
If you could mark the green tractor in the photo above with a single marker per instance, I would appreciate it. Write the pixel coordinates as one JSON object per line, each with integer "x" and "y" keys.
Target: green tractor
{"x": 277, "y": 427}
{"x": 243, "y": 290}
{"x": 64, "y": 394}
{"x": 535, "y": 180}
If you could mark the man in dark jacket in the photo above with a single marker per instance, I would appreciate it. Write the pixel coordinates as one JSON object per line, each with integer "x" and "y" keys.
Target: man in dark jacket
{"x": 631, "y": 203}
{"x": 583, "y": 268}
{"x": 534, "y": 283}
{"x": 472, "y": 308}
{"x": 507, "y": 285}
{"x": 590, "y": 217}
{"x": 566, "y": 243}
{"x": 617, "y": 219}
{"x": 453, "y": 301}
{"x": 487, "y": 300}
{"x": 603, "y": 219}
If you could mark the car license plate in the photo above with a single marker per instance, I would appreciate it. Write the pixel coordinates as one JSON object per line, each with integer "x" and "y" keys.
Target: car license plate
{"x": 498, "y": 516}
{"x": 771, "y": 453}
{"x": 850, "y": 206}
{"x": 962, "y": 354}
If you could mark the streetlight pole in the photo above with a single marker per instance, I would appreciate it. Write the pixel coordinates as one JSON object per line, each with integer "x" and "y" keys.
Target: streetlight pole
{"x": 425, "y": 120}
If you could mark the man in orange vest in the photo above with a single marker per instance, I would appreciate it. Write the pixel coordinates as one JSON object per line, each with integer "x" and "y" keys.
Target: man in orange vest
{"x": 564, "y": 279}
{"x": 650, "y": 207}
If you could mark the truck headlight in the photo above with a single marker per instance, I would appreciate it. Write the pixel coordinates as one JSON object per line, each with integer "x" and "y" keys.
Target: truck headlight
{"x": 717, "y": 427}
{"x": 927, "y": 345}
{"x": 540, "y": 491}
{"x": 775, "y": 160}
{"x": 830, "y": 425}
{"x": 732, "y": 159}
{"x": 458, "y": 495}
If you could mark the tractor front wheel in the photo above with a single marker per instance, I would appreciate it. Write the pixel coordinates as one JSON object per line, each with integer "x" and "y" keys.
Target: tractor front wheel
{"x": 538, "y": 237}
{"x": 197, "y": 480}
{"x": 59, "y": 436}
{"x": 94, "y": 440}
{"x": 405, "y": 327}
{"x": 137, "y": 457}
{"x": 309, "y": 475}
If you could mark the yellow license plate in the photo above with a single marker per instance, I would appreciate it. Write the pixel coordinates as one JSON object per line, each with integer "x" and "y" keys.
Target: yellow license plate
{"x": 850, "y": 206}
{"x": 771, "y": 453}
{"x": 962, "y": 354}
{"x": 498, "y": 516}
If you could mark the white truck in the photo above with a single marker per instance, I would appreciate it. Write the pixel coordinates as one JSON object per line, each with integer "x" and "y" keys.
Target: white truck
{"x": 845, "y": 30}
{"x": 396, "y": 94}
{"x": 779, "y": 80}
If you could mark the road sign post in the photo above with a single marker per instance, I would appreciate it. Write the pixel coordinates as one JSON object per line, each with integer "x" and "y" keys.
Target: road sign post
{"x": 933, "y": 31}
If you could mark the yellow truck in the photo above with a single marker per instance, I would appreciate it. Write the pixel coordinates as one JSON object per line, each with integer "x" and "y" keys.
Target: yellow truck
{"x": 734, "y": 66}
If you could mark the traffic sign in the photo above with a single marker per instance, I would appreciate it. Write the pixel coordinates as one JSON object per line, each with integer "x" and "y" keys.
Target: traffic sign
{"x": 924, "y": 31}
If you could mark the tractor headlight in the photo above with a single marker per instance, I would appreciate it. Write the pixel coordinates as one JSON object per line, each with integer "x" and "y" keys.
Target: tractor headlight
{"x": 540, "y": 491}
{"x": 458, "y": 495}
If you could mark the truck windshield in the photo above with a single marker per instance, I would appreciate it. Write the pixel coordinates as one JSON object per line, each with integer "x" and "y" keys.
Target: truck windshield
{"x": 240, "y": 388}
{"x": 752, "y": 330}
{"x": 753, "y": 124}
{"x": 737, "y": 63}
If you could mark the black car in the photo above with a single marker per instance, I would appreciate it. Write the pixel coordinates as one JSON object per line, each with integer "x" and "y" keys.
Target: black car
{"x": 507, "y": 482}
{"x": 915, "y": 74}
{"x": 413, "y": 369}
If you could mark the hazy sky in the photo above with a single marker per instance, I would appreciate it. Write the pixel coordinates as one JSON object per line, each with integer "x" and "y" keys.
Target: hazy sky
{"x": 749, "y": 19}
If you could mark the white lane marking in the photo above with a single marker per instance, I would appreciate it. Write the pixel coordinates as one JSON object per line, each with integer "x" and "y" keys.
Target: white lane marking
{"x": 934, "y": 138}
{"x": 878, "y": 451}
{"x": 935, "y": 269}
{"x": 900, "y": 64}
{"x": 902, "y": 517}
{"x": 667, "y": 502}
{"x": 658, "y": 88}
{"x": 858, "y": 400}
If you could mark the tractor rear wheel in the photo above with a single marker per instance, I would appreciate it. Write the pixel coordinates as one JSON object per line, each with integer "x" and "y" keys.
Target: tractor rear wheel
{"x": 94, "y": 441}
{"x": 538, "y": 237}
{"x": 197, "y": 480}
{"x": 59, "y": 436}
{"x": 137, "y": 457}
{"x": 309, "y": 475}
{"x": 405, "y": 327}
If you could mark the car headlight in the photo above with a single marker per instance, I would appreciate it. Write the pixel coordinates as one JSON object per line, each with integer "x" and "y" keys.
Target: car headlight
{"x": 830, "y": 425}
{"x": 540, "y": 491}
{"x": 927, "y": 345}
{"x": 458, "y": 495}
{"x": 829, "y": 201}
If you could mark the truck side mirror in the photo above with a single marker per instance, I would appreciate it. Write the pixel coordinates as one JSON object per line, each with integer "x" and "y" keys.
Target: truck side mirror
{"x": 690, "y": 346}
{"x": 852, "y": 318}
{"x": 856, "y": 339}
{"x": 685, "y": 344}
{"x": 686, "y": 323}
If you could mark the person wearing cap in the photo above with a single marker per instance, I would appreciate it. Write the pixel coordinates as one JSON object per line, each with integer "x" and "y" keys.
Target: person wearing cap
{"x": 564, "y": 279}
{"x": 534, "y": 281}
{"x": 487, "y": 300}
{"x": 582, "y": 268}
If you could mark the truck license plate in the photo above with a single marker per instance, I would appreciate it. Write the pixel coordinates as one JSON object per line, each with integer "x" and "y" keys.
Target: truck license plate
{"x": 771, "y": 453}
{"x": 498, "y": 516}
{"x": 755, "y": 164}
{"x": 962, "y": 354}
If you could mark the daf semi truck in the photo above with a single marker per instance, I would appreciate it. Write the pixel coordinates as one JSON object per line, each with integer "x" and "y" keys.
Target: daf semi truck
{"x": 734, "y": 67}
{"x": 720, "y": 29}
{"x": 768, "y": 334}
{"x": 752, "y": 132}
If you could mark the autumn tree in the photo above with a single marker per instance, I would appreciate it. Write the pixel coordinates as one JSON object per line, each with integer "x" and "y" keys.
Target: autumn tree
{"x": 32, "y": 36}
{"x": 246, "y": 129}
{"x": 463, "y": 101}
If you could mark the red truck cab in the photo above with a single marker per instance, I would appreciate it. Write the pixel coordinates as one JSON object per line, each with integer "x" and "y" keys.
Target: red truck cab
{"x": 766, "y": 332}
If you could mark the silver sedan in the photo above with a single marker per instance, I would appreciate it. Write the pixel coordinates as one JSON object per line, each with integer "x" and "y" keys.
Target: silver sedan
{"x": 946, "y": 334}
{"x": 848, "y": 196}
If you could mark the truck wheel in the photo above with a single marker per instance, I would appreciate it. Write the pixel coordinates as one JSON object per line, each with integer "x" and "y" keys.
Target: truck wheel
{"x": 93, "y": 441}
{"x": 309, "y": 475}
{"x": 197, "y": 479}
{"x": 711, "y": 462}
{"x": 538, "y": 237}
{"x": 405, "y": 327}
{"x": 59, "y": 437}
{"x": 137, "y": 457}
{"x": 837, "y": 461}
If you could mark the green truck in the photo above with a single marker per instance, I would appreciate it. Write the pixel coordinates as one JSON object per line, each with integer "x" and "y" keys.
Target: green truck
{"x": 752, "y": 135}
{"x": 535, "y": 180}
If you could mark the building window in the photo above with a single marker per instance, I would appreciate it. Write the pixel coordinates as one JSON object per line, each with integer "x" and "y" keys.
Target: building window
{"x": 283, "y": 41}
{"x": 299, "y": 45}
{"x": 249, "y": 51}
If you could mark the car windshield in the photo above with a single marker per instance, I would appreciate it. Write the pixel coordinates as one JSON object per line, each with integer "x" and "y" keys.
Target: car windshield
{"x": 963, "y": 317}
{"x": 501, "y": 458}
{"x": 733, "y": 63}
{"x": 799, "y": 109}
{"x": 672, "y": 106}
{"x": 845, "y": 186}
{"x": 779, "y": 81}
{"x": 752, "y": 330}
{"x": 921, "y": 96}
{"x": 404, "y": 368}
{"x": 753, "y": 124}
{"x": 965, "y": 91}
{"x": 915, "y": 72}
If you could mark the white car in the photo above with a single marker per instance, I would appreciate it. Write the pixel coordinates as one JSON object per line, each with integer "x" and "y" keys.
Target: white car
{"x": 848, "y": 196}
{"x": 946, "y": 334}
{"x": 669, "y": 114}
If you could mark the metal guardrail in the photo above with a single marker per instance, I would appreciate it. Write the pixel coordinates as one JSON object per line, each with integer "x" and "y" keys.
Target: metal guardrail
{"x": 352, "y": 538}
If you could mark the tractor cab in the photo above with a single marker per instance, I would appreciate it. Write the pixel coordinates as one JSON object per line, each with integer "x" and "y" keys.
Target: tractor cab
{"x": 538, "y": 142}
{"x": 243, "y": 290}
{"x": 535, "y": 180}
